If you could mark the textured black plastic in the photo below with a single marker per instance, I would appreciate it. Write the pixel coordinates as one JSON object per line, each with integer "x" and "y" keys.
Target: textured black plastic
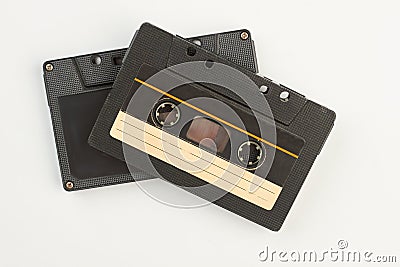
{"x": 231, "y": 46}
{"x": 76, "y": 89}
{"x": 299, "y": 116}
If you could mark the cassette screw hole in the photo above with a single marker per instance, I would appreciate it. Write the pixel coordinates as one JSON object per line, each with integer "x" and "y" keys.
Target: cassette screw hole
{"x": 191, "y": 51}
{"x": 250, "y": 154}
{"x": 69, "y": 185}
{"x": 167, "y": 114}
{"x": 197, "y": 42}
{"x": 209, "y": 63}
{"x": 244, "y": 35}
{"x": 96, "y": 60}
{"x": 284, "y": 96}
{"x": 49, "y": 67}
{"x": 263, "y": 89}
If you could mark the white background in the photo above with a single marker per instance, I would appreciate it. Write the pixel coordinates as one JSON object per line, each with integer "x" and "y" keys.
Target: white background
{"x": 342, "y": 54}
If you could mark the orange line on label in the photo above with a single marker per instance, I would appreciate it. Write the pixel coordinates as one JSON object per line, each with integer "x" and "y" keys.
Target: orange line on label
{"x": 216, "y": 118}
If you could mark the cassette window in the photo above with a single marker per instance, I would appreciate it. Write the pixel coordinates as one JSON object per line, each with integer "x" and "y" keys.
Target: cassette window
{"x": 208, "y": 133}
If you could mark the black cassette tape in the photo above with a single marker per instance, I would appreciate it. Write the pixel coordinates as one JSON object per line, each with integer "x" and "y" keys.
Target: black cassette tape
{"x": 76, "y": 89}
{"x": 212, "y": 127}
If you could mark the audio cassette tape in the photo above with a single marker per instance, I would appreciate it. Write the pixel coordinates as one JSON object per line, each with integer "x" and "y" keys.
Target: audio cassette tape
{"x": 76, "y": 89}
{"x": 212, "y": 127}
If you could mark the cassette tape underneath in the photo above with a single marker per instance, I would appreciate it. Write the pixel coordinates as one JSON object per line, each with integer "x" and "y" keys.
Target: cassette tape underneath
{"x": 77, "y": 88}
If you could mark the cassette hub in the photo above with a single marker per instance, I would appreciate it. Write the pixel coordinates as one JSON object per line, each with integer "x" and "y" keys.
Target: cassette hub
{"x": 250, "y": 154}
{"x": 166, "y": 113}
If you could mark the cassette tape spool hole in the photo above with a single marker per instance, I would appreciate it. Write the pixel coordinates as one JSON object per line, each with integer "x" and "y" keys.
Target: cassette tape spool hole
{"x": 166, "y": 113}
{"x": 250, "y": 154}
